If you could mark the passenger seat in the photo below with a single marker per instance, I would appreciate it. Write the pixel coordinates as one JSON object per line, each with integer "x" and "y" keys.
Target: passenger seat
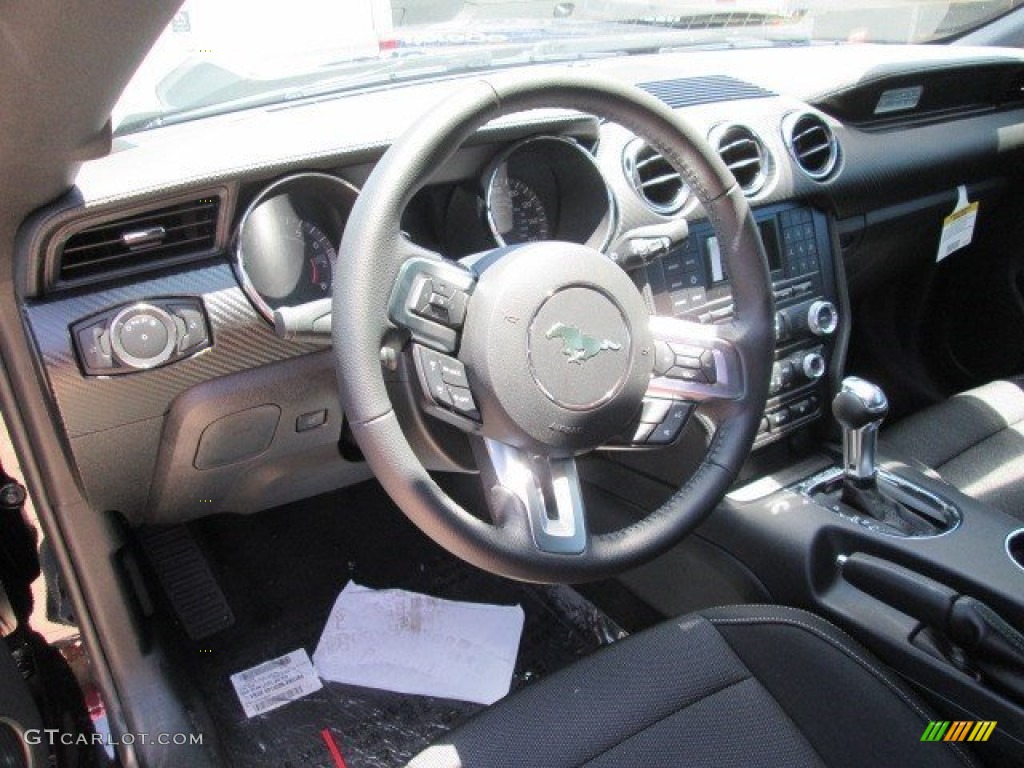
{"x": 974, "y": 440}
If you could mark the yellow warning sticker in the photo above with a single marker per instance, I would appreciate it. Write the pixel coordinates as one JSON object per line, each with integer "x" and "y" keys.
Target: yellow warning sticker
{"x": 958, "y": 227}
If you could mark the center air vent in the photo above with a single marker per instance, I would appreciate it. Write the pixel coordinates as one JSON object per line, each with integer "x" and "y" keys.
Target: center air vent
{"x": 166, "y": 235}
{"x": 654, "y": 179}
{"x": 744, "y": 154}
{"x": 812, "y": 144}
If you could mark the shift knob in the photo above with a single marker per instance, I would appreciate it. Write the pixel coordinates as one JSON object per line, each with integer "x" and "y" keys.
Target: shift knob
{"x": 859, "y": 403}
{"x": 860, "y": 408}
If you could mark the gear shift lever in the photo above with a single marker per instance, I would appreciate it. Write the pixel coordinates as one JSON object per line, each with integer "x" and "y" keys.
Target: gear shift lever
{"x": 860, "y": 408}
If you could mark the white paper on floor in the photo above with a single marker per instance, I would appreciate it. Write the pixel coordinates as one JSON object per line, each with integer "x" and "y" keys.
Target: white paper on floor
{"x": 410, "y": 643}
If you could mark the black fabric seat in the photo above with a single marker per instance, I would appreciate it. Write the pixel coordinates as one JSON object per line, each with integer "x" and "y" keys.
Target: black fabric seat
{"x": 974, "y": 440}
{"x": 739, "y": 686}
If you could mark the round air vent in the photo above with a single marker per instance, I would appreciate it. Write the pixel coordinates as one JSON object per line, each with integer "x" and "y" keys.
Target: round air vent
{"x": 654, "y": 179}
{"x": 744, "y": 154}
{"x": 812, "y": 143}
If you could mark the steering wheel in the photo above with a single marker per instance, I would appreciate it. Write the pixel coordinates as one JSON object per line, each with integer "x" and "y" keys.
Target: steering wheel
{"x": 545, "y": 351}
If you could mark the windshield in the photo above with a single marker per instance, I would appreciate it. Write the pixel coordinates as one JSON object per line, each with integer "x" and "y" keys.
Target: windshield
{"x": 222, "y": 55}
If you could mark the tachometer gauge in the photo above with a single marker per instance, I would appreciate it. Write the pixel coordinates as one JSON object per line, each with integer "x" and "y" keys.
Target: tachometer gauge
{"x": 516, "y": 211}
{"x": 320, "y": 258}
{"x": 287, "y": 240}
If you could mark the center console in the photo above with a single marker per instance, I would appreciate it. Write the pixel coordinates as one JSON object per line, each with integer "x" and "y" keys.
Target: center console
{"x": 691, "y": 282}
{"x": 931, "y": 580}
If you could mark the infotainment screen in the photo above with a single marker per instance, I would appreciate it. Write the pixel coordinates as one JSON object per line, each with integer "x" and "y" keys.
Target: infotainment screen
{"x": 769, "y": 235}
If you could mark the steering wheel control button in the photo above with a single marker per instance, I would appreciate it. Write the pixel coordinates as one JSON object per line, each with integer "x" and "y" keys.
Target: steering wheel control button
{"x": 669, "y": 430}
{"x": 444, "y": 380}
{"x": 429, "y": 364}
{"x": 453, "y": 372}
{"x": 664, "y": 358}
{"x": 643, "y": 432}
{"x": 430, "y": 299}
{"x": 654, "y": 410}
{"x": 441, "y": 302}
{"x": 463, "y": 402}
{"x": 691, "y": 375}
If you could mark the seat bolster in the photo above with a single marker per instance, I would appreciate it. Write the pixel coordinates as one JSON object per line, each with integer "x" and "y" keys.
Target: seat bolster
{"x": 939, "y": 433}
{"x": 864, "y": 715}
{"x": 591, "y": 706}
{"x": 752, "y": 686}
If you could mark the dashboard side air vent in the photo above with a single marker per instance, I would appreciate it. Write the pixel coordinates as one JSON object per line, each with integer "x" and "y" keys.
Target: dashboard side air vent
{"x": 744, "y": 154}
{"x": 653, "y": 178}
{"x": 157, "y": 237}
{"x": 812, "y": 144}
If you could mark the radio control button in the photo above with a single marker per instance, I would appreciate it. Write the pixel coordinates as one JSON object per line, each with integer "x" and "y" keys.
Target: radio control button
{"x": 779, "y": 418}
{"x": 781, "y": 326}
{"x": 813, "y": 366}
{"x": 822, "y": 318}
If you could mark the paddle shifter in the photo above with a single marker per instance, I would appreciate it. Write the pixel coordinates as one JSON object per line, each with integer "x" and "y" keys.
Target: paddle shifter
{"x": 860, "y": 408}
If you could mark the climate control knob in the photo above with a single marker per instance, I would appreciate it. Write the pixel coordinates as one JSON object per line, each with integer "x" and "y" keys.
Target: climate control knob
{"x": 822, "y": 318}
{"x": 813, "y": 366}
{"x": 143, "y": 336}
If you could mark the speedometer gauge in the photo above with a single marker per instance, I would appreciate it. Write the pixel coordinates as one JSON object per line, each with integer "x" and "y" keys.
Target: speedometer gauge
{"x": 548, "y": 188}
{"x": 517, "y": 212}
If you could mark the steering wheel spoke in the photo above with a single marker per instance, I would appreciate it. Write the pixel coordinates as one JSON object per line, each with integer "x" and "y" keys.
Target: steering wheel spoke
{"x": 548, "y": 490}
{"x": 430, "y": 298}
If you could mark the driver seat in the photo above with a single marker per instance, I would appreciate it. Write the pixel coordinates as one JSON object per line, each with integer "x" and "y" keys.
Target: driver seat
{"x": 737, "y": 686}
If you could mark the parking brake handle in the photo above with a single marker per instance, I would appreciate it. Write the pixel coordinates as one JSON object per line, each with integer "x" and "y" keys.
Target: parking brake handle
{"x": 993, "y": 646}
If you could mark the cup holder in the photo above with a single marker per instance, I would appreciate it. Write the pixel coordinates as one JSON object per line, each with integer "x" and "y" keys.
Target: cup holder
{"x": 1015, "y": 547}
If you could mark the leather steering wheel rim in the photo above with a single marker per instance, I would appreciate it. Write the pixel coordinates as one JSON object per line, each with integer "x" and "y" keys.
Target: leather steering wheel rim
{"x": 373, "y": 251}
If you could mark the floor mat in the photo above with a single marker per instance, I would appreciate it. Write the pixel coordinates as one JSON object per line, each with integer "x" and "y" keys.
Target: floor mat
{"x": 282, "y": 570}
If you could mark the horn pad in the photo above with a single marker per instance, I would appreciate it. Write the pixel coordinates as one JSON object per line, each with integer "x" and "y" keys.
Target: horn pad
{"x": 557, "y": 345}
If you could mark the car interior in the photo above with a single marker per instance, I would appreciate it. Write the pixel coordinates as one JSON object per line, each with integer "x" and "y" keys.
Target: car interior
{"x": 707, "y": 356}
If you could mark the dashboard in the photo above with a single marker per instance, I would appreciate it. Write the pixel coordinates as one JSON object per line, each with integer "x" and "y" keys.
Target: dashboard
{"x": 151, "y": 291}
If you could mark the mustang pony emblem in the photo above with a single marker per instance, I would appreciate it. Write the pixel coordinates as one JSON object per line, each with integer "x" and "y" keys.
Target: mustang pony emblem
{"x": 576, "y": 345}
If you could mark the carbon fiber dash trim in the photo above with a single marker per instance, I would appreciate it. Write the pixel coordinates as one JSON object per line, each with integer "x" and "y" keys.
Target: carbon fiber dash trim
{"x": 241, "y": 340}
